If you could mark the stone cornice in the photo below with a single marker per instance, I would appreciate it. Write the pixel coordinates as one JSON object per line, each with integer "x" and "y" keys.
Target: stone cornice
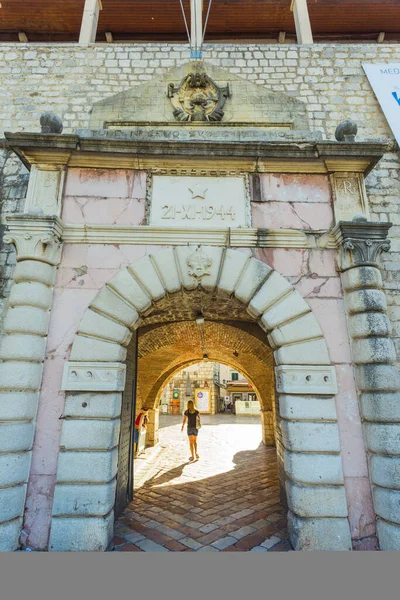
{"x": 245, "y": 237}
{"x": 265, "y": 155}
{"x": 360, "y": 242}
{"x": 35, "y": 237}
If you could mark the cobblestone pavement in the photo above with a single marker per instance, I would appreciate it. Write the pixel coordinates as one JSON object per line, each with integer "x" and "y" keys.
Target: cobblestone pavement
{"x": 226, "y": 501}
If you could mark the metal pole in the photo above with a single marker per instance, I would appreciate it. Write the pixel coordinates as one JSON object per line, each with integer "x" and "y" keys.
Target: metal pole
{"x": 196, "y": 23}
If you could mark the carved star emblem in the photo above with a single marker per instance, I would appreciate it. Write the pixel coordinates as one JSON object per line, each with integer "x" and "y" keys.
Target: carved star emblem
{"x": 198, "y": 191}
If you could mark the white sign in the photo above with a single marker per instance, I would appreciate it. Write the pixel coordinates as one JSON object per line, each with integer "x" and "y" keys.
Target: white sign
{"x": 198, "y": 201}
{"x": 202, "y": 400}
{"x": 385, "y": 81}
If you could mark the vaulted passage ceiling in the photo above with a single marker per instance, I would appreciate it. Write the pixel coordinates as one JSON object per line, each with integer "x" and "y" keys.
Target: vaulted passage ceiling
{"x": 170, "y": 339}
{"x": 230, "y": 20}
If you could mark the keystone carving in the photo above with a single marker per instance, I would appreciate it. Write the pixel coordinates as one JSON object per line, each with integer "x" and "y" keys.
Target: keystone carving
{"x": 199, "y": 264}
{"x": 360, "y": 242}
{"x": 198, "y": 98}
{"x": 35, "y": 238}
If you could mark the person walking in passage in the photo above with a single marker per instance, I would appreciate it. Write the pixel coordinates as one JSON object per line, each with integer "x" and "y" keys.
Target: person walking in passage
{"x": 193, "y": 418}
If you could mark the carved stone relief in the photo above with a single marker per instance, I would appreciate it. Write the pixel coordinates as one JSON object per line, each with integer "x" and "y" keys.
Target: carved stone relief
{"x": 349, "y": 196}
{"x": 198, "y": 98}
{"x": 199, "y": 264}
{"x": 45, "y": 190}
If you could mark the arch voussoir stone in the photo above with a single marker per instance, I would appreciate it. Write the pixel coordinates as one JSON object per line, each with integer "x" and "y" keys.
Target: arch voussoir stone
{"x": 309, "y": 448}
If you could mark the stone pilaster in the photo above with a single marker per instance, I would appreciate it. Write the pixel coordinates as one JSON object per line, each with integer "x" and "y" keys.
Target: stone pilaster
{"x": 360, "y": 243}
{"x": 38, "y": 244}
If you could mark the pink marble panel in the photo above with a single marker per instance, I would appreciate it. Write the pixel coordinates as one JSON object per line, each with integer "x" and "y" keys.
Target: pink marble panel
{"x": 104, "y": 211}
{"x": 38, "y": 509}
{"x": 294, "y": 188}
{"x": 291, "y": 215}
{"x": 311, "y": 285}
{"x": 360, "y": 506}
{"x": 322, "y": 262}
{"x": 105, "y": 183}
{"x": 79, "y": 278}
{"x": 68, "y": 308}
{"x": 350, "y": 427}
{"x": 289, "y": 263}
{"x": 330, "y": 315}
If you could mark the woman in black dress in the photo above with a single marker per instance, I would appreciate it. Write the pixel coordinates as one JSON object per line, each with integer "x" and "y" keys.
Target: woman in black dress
{"x": 191, "y": 415}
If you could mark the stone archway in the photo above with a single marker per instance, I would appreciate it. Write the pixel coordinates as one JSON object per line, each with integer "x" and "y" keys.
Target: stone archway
{"x": 95, "y": 377}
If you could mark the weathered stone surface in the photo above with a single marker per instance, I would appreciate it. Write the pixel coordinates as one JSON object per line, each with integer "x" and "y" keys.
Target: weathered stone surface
{"x": 385, "y": 471}
{"x": 86, "y": 405}
{"x": 167, "y": 270}
{"x": 129, "y": 288}
{"x": 371, "y": 378}
{"x": 304, "y": 328}
{"x": 95, "y": 467}
{"x": 310, "y": 437}
{"x": 232, "y": 269}
{"x": 97, "y": 325}
{"x": 93, "y": 500}
{"x": 9, "y": 535}
{"x": 26, "y": 319}
{"x": 31, "y": 294}
{"x": 389, "y": 535}
{"x": 365, "y": 301}
{"x": 313, "y": 352}
{"x": 16, "y": 376}
{"x": 273, "y": 289}
{"x": 381, "y": 406}
{"x": 290, "y": 307}
{"x": 108, "y": 303}
{"x": 90, "y": 434}
{"x": 369, "y": 324}
{"x": 319, "y": 534}
{"x": 314, "y": 468}
{"x": 16, "y": 436}
{"x": 316, "y": 501}
{"x": 33, "y": 270}
{"x": 91, "y": 349}
{"x": 145, "y": 273}
{"x": 373, "y": 350}
{"x": 18, "y": 405}
{"x": 362, "y": 277}
{"x": 12, "y": 502}
{"x": 387, "y": 503}
{"x": 92, "y": 534}
{"x": 253, "y": 276}
{"x": 14, "y": 468}
{"x": 383, "y": 438}
{"x": 22, "y": 347}
{"x": 307, "y": 408}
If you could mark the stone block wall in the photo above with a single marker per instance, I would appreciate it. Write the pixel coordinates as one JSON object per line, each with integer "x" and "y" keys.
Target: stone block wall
{"x": 67, "y": 79}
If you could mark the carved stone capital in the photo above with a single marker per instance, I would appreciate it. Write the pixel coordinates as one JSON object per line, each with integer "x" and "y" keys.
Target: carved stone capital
{"x": 360, "y": 243}
{"x": 35, "y": 237}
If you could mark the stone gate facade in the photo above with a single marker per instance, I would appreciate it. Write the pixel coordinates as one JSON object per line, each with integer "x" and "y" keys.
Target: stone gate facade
{"x": 134, "y": 224}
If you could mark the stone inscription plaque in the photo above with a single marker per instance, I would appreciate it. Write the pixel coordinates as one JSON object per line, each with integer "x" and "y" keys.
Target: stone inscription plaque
{"x": 198, "y": 201}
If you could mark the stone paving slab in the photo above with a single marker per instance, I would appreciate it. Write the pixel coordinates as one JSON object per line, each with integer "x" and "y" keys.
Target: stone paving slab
{"x": 227, "y": 501}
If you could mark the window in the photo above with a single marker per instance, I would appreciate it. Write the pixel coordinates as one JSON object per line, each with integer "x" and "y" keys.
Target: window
{"x": 235, "y": 376}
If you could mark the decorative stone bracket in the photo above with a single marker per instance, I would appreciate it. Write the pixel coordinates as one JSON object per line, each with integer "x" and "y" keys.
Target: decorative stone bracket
{"x": 306, "y": 380}
{"x": 94, "y": 376}
{"x": 35, "y": 237}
